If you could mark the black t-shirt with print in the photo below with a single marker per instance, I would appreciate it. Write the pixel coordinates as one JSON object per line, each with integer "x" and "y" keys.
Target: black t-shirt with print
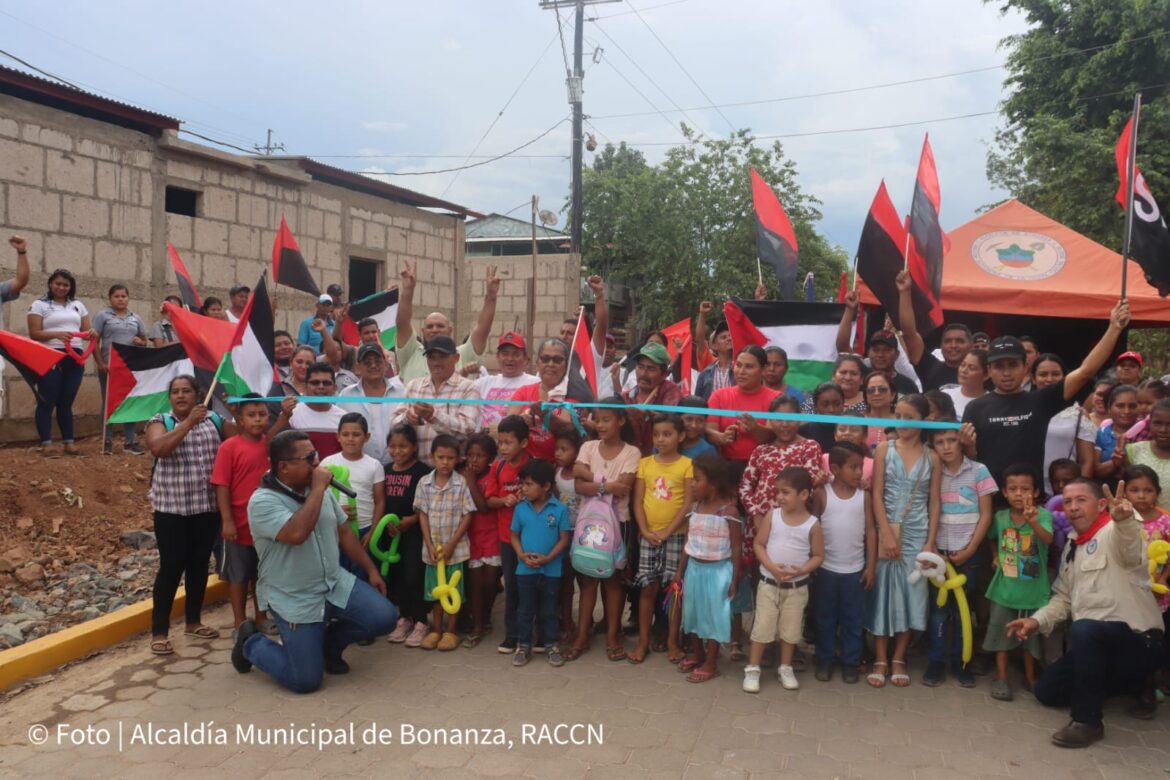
{"x": 1011, "y": 429}
{"x": 934, "y": 373}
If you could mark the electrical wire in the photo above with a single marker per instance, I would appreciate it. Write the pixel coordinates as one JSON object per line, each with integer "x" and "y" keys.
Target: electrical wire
{"x": 515, "y": 92}
{"x": 627, "y": 13}
{"x": 681, "y": 67}
{"x": 185, "y": 131}
{"x": 509, "y": 153}
{"x": 641, "y": 94}
{"x": 561, "y": 35}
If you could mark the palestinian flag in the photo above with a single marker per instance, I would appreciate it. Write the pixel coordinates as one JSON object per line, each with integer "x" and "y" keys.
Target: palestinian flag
{"x": 928, "y": 244}
{"x": 250, "y": 365}
{"x": 1149, "y": 238}
{"x": 139, "y": 379}
{"x": 775, "y": 241}
{"x": 288, "y": 264}
{"x": 580, "y": 382}
{"x": 31, "y": 358}
{"x": 382, "y": 307}
{"x": 186, "y": 285}
{"x": 205, "y": 339}
{"x": 806, "y": 331}
{"x": 880, "y": 252}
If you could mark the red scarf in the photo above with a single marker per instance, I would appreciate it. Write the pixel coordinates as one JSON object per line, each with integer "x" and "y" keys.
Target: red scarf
{"x": 1097, "y": 525}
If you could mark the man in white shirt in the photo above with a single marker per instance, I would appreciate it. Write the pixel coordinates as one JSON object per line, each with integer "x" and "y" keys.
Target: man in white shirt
{"x": 238, "y": 296}
{"x": 320, "y": 421}
{"x": 512, "y": 355}
{"x": 371, "y": 367}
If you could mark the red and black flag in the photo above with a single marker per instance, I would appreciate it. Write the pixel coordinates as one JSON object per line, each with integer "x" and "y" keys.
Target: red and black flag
{"x": 1149, "y": 238}
{"x": 205, "y": 339}
{"x": 31, "y": 358}
{"x": 288, "y": 264}
{"x": 186, "y": 286}
{"x": 880, "y": 253}
{"x": 928, "y": 244}
{"x": 580, "y": 383}
{"x": 775, "y": 241}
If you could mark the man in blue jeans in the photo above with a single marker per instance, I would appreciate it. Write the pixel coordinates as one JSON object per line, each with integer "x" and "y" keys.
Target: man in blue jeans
{"x": 319, "y": 607}
{"x": 1115, "y": 639}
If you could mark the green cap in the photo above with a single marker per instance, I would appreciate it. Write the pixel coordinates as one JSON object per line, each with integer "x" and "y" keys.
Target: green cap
{"x": 655, "y": 352}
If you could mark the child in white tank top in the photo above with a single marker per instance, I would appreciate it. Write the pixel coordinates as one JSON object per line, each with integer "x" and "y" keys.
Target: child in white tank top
{"x": 790, "y": 546}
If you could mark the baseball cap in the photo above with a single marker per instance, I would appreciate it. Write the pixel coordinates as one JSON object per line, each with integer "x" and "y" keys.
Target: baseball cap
{"x": 325, "y": 299}
{"x": 1006, "y": 348}
{"x": 656, "y": 352}
{"x": 334, "y": 290}
{"x": 1131, "y": 355}
{"x": 884, "y": 337}
{"x": 512, "y": 339}
{"x": 609, "y": 339}
{"x": 444, "y": 344}
{"x": 368, "y": 349}
{"x": 239, "y": 288}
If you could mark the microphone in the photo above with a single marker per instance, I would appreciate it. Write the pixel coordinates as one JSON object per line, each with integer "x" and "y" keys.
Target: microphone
{"x": 342, "y": 488}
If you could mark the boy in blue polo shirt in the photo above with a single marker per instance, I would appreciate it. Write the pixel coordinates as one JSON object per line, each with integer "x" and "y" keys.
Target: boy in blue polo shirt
{"x": 540, "y": 535}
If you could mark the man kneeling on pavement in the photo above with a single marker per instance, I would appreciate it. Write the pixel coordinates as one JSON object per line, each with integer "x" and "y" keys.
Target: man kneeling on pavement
{"x": 319, "y": 607}
{"x": 1115, "y": 640}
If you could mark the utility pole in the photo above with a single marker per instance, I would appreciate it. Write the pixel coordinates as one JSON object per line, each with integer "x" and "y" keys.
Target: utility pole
{"x": 575, "y": 83}
{"x": 268, "y": 148}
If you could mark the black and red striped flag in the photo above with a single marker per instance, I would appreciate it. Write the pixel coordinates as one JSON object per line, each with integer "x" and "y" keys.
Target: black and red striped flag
{"x": 31, "y": 358}
{"x": 880, "y": 253}
{"x": 288, "y": 264}
{"x": 186, "y": 285}
{"x": 928, "y": 244}
{"x": 775, "y": 240}
{"x": 1149, "y": 236}
{"x": 580, "y": 381}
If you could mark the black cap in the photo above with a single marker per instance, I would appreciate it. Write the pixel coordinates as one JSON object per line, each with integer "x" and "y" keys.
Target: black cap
{"x": 239, "y": 288}
{"x": 368, "y": 349}
{"x": 1006, "y": 348}
{"x": 444, "y": 344}
{"x": 886, "y": 337}
{"x": 334, "y": 290}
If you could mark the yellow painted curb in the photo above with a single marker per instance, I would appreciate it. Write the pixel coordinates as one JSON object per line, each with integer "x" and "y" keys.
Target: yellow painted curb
{"x": 49, "y": 652}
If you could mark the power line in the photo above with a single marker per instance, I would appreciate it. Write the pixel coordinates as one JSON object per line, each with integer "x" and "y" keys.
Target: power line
{"x": 640, "y": 93}
{"x": 249, "y": 152}
{"x": 627, "y": 13}
{"x": 885, "y": 85}
{"x": 561, "y": 35}
{"x": 511, "y": 97}
{"x": 509, "y": 153}
{"x": 681, "y": 67}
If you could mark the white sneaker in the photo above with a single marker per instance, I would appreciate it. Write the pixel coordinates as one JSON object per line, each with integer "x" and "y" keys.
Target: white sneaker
{"x": 751, "y": 679}
{"x": 787, "y": 678}
{"x": 401, "y": 631}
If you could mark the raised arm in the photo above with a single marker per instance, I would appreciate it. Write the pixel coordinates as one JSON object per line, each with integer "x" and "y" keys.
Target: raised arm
{"x": 915, "y": 346}
{"x": 845, "y": 327}
{"x": 700, "y": 342}
{"x": 1095, "y": 360}
{"x": 21, "y": 279}
{"x": 600, "y": 313}
{"x": 407, "y": 278}
{"x": 487, "y": 314}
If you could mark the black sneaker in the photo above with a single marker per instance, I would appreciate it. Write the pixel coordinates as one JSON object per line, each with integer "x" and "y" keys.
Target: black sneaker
{"x": 963, "y": 675}
{"x": 824, "y": 671}
{"x": 242, "y": 664}
{"x": 849, "y": 675}
{"x": 936, "y": 674}
{"x": 336, "y": 665}
{"x": 507, "y": 646}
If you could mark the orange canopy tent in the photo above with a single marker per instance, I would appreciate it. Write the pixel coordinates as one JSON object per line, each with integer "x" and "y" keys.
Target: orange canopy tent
{"x": 1013, "y": 260}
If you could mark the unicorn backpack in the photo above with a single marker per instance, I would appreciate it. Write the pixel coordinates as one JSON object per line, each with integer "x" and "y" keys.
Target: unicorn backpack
{"x": 598, "y": 549}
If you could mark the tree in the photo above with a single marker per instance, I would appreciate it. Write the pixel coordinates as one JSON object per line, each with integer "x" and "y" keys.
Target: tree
{"x": 685, "y": 230}
{"x": 1072, "y": 78}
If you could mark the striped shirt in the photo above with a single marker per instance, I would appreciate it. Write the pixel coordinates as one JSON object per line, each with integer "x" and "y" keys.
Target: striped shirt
{"x": 458, "y": 420}
{"x": 708, "y": 535}
{"x": 181, "y": 482}
{"x": 445, "y": 507}
{"x": 960, "y": 493}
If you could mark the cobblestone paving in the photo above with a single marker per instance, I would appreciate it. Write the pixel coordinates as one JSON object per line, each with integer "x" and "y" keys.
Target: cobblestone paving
{"x": 653, "y": 723}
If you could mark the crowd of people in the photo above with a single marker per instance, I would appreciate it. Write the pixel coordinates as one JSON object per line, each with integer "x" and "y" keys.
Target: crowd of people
{"x": 1044, "y": 490}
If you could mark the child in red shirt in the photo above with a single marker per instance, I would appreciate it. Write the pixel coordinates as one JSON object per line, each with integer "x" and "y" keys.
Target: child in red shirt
{"x": 484, "y": 564}
{"x": 502, "y": 494}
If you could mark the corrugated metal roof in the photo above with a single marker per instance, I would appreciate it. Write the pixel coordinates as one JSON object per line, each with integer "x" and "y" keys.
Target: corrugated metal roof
{"x": 498, "y": 226}
{"x": 26, "y": 86}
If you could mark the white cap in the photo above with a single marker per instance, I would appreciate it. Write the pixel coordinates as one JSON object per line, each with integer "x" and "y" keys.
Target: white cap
{"x": 325, "y": 299}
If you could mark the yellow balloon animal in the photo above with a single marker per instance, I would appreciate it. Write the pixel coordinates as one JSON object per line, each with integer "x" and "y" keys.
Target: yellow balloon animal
{"x": 1159, "y": 554}
{"x": 446, "y": 593}
{"x": 940, "y": 571}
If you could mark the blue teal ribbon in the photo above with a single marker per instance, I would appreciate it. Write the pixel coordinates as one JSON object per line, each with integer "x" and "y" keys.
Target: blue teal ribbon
{"x": 572, "y": 406}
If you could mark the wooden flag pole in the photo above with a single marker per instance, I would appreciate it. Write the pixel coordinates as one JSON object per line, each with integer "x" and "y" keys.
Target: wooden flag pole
{"x": 759, "y": 271}
{"x": 906, "y": 251}
{"x": 853, "y": 286}
{"x": 1130, "y": 169}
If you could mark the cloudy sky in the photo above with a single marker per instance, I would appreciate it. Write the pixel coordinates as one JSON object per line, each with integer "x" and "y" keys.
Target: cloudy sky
{"x": 402, "y": 87}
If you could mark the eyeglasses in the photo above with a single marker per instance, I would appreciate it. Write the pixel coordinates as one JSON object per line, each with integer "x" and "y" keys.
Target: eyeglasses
{"x": 309, "y": 458}
{"x": 555, "y": 360}
{"x": 320, "y": 383}
{"x": 877, "y": 390}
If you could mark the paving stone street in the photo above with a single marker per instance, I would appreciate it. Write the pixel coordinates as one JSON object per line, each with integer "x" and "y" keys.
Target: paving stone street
{"x": 652, "y": 722}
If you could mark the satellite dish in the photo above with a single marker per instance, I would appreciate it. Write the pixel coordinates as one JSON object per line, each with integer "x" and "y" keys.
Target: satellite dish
{"x": 547, "y": 217}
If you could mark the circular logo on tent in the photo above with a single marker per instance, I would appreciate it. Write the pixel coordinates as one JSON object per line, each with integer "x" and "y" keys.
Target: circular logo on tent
{"x": 1012, "y": 254}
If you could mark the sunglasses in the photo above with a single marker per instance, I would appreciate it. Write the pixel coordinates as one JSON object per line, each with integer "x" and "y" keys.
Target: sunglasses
{"x": 309, "y": 458}
{"x": 320, "y": 383}
{"x": 555, "y": 360}
{"x": 877, "y": 390}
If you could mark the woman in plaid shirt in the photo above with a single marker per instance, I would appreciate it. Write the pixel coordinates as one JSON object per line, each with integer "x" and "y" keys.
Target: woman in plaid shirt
{"x": 184, "y": 443}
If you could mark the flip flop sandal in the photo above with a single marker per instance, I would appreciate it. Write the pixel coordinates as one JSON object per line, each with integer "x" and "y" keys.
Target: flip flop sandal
{"x": 658, "y": 645}
{"x": 573, "y": 653}
{"x": 688, "y": 665}
{"x": 162, "y": 647}
{"x": 634, "y": 660}
{"x": 615, "y": 653}
{"x": 875, "y": 678}
{"x": 472, "y": 640}
{"x": 702, "y": 676}
{"x": 203, "y": 632}
{"x": 674, "y": 659}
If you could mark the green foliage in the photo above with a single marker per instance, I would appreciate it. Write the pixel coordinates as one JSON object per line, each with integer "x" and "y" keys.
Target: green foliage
{"x": 684, "y": 230}
{"x": 1068, "y": 106}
